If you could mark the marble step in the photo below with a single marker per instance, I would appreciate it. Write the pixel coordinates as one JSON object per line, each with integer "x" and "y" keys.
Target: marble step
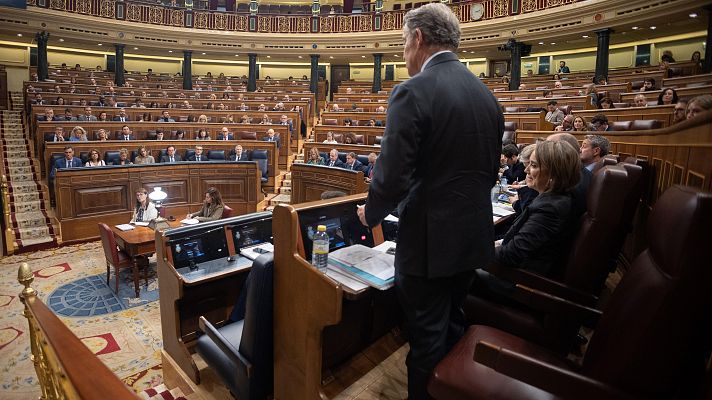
{"x": 285, "y": 190}
{"x": 280, "y": 199}
{"x": 287, "y": 182}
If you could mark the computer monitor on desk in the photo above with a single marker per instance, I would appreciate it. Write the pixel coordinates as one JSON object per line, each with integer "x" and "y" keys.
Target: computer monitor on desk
{"x": 251, "y": 232}
{"x": 342, "y": 226}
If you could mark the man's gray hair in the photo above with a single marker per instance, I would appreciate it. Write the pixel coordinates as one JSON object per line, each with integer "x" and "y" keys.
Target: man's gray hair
{"x": 438, "y": 24}
{"x": 601, "y": 142}
{"x": 565, "y": 137}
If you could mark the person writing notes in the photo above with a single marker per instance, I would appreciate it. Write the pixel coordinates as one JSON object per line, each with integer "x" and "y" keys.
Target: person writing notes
{"x": 212, "y": 207}
{"x": 144, "y": 211}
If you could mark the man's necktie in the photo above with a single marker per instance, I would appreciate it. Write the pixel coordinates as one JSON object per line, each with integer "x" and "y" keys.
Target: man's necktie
{"x": 331, "y": 163}
{"x": 172, "y": 159}
{"x": 198, "y": 158}
{"x": 68, "y": 164}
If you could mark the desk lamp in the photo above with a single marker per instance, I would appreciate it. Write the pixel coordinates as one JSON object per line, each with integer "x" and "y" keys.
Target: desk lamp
{"x": 157, "y": 197}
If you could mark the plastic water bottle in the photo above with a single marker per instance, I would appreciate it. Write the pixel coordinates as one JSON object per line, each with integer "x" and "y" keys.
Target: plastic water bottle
{"x": 503, "y": 181}
{"x": 320, "y": 248}
{"x": 495, "y": 193}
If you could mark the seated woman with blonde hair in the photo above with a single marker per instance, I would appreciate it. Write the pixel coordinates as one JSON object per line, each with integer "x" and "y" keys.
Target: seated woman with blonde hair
{"x": 144, "y": 211}
{"x": 203, "y": 119}
{"x": 144, "y": 156}
{"x": 314, "y": 157}
{"x": 212, "y": 207}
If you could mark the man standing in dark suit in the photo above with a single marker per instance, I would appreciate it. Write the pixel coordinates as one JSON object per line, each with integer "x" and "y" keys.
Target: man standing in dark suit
{"x": 439, "y": 159}
{"x": 69, "y": 161}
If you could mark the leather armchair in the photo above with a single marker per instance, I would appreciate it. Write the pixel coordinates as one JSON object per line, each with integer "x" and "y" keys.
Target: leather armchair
{"x": 241, "y": 352}
{"x": 651, "y": 340}
{"x": 597, "y": 242}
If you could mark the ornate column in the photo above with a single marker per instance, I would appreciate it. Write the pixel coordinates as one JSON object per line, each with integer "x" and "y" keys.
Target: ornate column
{"x": 515, "y": 49}
{"x": 252, "y": 74}
{"x": 377, "y": 59}
{"x": 313, "y": 83}
{"x": 42, "y": 65}
{"x": 187, "y": 70}
{"x": 604, "y": 38}
{"x": 119, "y": 79}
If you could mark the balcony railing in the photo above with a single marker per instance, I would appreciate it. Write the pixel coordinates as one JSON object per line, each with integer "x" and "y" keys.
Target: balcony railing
{"x": 157, "y": 14}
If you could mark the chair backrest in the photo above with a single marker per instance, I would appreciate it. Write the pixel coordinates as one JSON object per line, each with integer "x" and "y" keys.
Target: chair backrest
{"x": 257, "y": 333}
{"x": 246, "y": 135}
{"x": 111, "y": 156}
{"x": 645, "y": 124}
{"x": 587, "y": 266}
{"x": 620, "y": 125}
{"x": 359, "y": 139}
{"x": 331, "y": 121}
{"x": 216, "y": 154}
{"x": 378, "y": 139}
{"x": 108, "y": 242}
{"x": 655, "y": 330}
{"x": 227, "y": 211}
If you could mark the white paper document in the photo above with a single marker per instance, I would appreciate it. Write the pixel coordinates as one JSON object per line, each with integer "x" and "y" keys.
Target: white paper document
{"x": 256, "y": 251}
{"x": 140, "y": 223}
{"x": 366, "y": 259}
{"x": 189, "y": 221}
{"x": 125, "y": 227}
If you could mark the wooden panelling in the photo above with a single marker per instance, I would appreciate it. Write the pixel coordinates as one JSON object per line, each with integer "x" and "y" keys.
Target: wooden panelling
{"x": 576, "y": 103}
{"x": 343, "y": 148}
{"x": 661, "y": 113}
{"x": 310, "y": 181}
{"x": 87, "y": 196}
{"x": 683, "y": 93}
{"x": 369, "y": 132}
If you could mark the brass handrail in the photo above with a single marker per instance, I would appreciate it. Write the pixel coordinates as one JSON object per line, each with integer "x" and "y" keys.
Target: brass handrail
{"x": 66, "y": 368}
{"x": 8, "y": 233}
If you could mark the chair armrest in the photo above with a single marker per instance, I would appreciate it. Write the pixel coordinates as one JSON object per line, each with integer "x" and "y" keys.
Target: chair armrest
{"x": 556, "y": 380}
{"x": 558, "y": 306}
{"x": 520, "y": 276}
{"x": 230, "y": 351}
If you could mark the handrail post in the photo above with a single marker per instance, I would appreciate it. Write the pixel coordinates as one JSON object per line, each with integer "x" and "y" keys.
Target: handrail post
{"x": 9, "y": 233}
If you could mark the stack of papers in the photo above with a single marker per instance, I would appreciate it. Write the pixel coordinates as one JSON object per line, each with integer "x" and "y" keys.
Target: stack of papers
{"x": 125, "y": 227}
{"x": 138, "y": 223}
{"x": 366, "y": 265}
{"x": 256, "y": 251}
{"x": 189, "y": 221}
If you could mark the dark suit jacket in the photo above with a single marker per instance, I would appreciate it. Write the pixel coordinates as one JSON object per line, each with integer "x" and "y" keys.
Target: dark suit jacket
{"x": 539, "y": 238}
{"x": 515, "y": 173}
{"x": 164, "y": 159}
{"x": 44, "y": 118}
{"x": 276, "y": 139}
{"x": 121, "y": 137}
{"x": 358, "y": 166}
{"x": 62, "y": 163}
{"x": 439, "y": 159}
{"x": 118, "y": 118}
{"x": 243, "y": 156}
{"x": 222, "y": 137}
{"x": 203, "y": 157}
{"x": 338, "y": 163}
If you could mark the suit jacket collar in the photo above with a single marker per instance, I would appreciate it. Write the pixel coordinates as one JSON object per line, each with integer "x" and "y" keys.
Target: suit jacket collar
{"x": 441, "y": 58}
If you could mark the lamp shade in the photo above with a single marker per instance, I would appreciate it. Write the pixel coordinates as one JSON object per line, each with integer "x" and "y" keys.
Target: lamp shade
{"x": 157, "y": 195}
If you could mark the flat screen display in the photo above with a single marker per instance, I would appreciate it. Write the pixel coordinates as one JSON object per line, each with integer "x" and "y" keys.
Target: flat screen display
{"x": 198, "y": 247}
{"x": 342, "y": 226}
{"x": 252, "y": 233}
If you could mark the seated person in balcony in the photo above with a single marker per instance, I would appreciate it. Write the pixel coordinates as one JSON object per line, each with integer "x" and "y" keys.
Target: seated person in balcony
{"x": 202, "y": 134}
{"x": 103, "y": 117}
{"x": 667, "y": 96}
{"x": 283, "y": 120}
{"x": 261, "y": 107}
{"x": 554, "y": 115}
{"x": 198, "y": 156}
{"x": 352, "y": 162}
{"x": 335, "y": 107}
{"x": 144, "y": 211}
{"x": 87, "y": 116}
{"x": 566, "y": 125}
{"x": 171, "y": 155}
{"x": 515, "y": 168}
{"x": 648, "y": 85}
{"x": 599, "y": 122}
{"x": 606, "y": 103}
{"x": 159, "y": 134}
{"x": 38, "y": 100}
{"x": 95, "y": 159}
{"x": 593, "y": 149}
{"x": 123, "y": 158}
{"x": 122, "y": 117}
{"x": 350, "y": 138}
{"x": 640, "y": 101}
{"x": 166, "y": 117}
{"x": 101, "y": 102}
{"x": 330, "y": 138}
{"x": 314, "y": 158}
{"x": 67, "y": 115}
{"x": 126, "y": 133}
{"x": 266, "y": 120}
{"x": 334, "y": 159}
{"x": 563, "y": 69}
{"x": 78, "y": 135}
{"x": 48, "y": 116}
{"x": 101, "y": 135}
{"x": 212, "y": 207}
{"x": 679, "y": 112}
{"x": 240, "y": 154}
{"x": 143, "y": 157}
{"x": 537, "y": 236}
{"x": 225, "y": 134}
{"x": 271, "y": 137}
{"x": 60, "y": 101}
{"x": 69, "y": 161}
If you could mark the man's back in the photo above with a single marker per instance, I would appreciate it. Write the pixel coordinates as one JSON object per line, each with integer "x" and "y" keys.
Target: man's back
{"x": 444, "y": 130}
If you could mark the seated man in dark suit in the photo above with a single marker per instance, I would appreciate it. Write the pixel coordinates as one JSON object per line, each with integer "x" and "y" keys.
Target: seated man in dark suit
{"x": 352, "y": 162}
{"x": 166, "y": 117}
{"x": 334, "y": 159}
{"x": 240, "y": 154}
{"x": 271, "y": 137}
{"x": 67, "y": 115}
{"x": 58, "y": 135}
{"x": 171, "y": 155}
{"x": 87, "y": 116}
{"x": 283, "y": 120}
{"x": 515, "y": 171}
{"x": 48, "y": 116}
{"x": 69, "y": 161}
{"x": 126, "y": 133}
{"x": 225, "y": 134}
{"x": 122, "y": 117}
{"x": 198, "y": 156}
